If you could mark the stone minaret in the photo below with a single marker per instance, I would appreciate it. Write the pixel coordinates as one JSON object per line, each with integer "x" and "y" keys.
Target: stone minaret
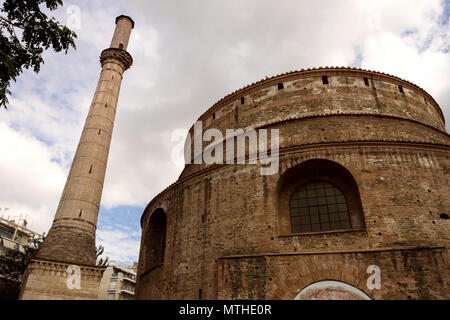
{"x": 71, "y": 239}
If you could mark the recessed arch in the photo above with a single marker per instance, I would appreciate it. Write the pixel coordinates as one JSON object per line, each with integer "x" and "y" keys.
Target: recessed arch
{"x": 328, "y": 173}
{"x": 331, "y": 290}
{"x": 155, "y": 239}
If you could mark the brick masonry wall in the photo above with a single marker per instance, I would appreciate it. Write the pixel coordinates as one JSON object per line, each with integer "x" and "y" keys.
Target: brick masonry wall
{"x": 405, "y": 274}
{"x": 396, "y": 149}
{"x": 72, "y": 245}
{"x": 304, "y": 94}
{"x": 346, "y": 94}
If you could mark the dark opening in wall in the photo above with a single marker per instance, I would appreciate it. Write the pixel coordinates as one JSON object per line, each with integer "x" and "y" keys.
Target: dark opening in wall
{"x": 214, "y": 115}
{"x": 325, "y": 80}
{"x": 280, "y": 86}
{"x": 444, "y": 216}
{"x": 366, "y": 81}
{"x": 242, "y": 100}
{"x": 400, "y": 88}
{"x": 90, "y": 170}
{"x": 155, "y": 239}
{"x": 106, "y": 105}
{"x": 121, "y": 46}
{"x": 99, "y": 131}
{"x": 81, "y": 211}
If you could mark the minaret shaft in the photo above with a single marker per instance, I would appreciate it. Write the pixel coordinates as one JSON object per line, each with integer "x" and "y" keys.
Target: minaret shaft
{"x": 71, "y": 238}
{"x": 65, "y": 266}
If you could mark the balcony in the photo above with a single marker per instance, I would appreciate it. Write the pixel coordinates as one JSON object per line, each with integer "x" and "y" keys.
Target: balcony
{"x": 129, "y": 278}
{"x": 126, "y": 292}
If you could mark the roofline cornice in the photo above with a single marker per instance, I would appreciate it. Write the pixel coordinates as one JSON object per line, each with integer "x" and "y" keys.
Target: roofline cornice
{"x": 314, "y": 72}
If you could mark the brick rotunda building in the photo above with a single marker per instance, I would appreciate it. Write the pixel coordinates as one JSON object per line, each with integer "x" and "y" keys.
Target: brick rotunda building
{"x": 362, "y": 191}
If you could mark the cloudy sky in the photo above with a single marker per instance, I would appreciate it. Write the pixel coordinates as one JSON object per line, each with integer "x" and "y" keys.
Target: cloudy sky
{"x": 187, "y": 55}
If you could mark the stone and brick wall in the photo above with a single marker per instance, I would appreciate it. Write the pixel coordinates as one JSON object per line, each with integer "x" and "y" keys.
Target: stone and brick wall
{"x": 225, "y": 232}
{"x": 408, "y": 273}
{"x": 47, "y": 280}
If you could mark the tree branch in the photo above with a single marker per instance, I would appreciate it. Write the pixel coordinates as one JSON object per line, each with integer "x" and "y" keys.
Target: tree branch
{"x": 17, "y": 25}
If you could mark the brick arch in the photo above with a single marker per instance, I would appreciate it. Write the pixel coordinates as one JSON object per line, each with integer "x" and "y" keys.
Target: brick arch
{"x": 301, "y": 172}
{"x": 149, "y": 211}
{"x": 351, "y": 269}
{"x": 294, "y": 282}
{"x": 155, "y": 239}
{"x": 289, "y": 163}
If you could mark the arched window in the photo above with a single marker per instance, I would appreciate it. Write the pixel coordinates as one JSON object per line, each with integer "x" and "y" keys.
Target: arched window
{"x": 318, "y": 206}
{"x": 318, "y": 195}
{"x": 155, "y": 239}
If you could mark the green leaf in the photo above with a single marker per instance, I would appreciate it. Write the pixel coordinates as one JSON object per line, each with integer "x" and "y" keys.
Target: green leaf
{"x": 38, "y": 33}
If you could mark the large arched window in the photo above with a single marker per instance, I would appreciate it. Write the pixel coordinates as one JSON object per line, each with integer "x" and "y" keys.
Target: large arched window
{"x": 318, "y": 206}
{"x": 318, "y": 196}
{"x": 155, "y": 239}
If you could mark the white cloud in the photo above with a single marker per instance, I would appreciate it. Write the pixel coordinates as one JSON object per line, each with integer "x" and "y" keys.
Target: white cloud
{"x": 31, "y": 182}
{"x": 120, "y": 246}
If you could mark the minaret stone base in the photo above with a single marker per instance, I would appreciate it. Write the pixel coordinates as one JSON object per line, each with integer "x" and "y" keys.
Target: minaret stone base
{"x": 51, "y": 280}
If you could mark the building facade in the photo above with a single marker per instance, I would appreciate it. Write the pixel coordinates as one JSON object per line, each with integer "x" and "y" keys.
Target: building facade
{"x": 118, "y": 283}
{"x": 357, "y": 209}
{"x": 15, "y": 234}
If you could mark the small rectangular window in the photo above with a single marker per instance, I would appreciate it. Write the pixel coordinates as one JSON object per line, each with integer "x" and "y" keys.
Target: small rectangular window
{"x": 214, "y": 115}
{"x": 400, "y": 88}
{"x": 325, "y": 80}
{"x": 280, "y": 86}
{"x": 366, "y": 81}
{"x": 242, "y": 100}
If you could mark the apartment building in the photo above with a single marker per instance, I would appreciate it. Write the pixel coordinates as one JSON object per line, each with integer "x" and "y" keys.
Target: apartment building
{"x": 118, "y": 283}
